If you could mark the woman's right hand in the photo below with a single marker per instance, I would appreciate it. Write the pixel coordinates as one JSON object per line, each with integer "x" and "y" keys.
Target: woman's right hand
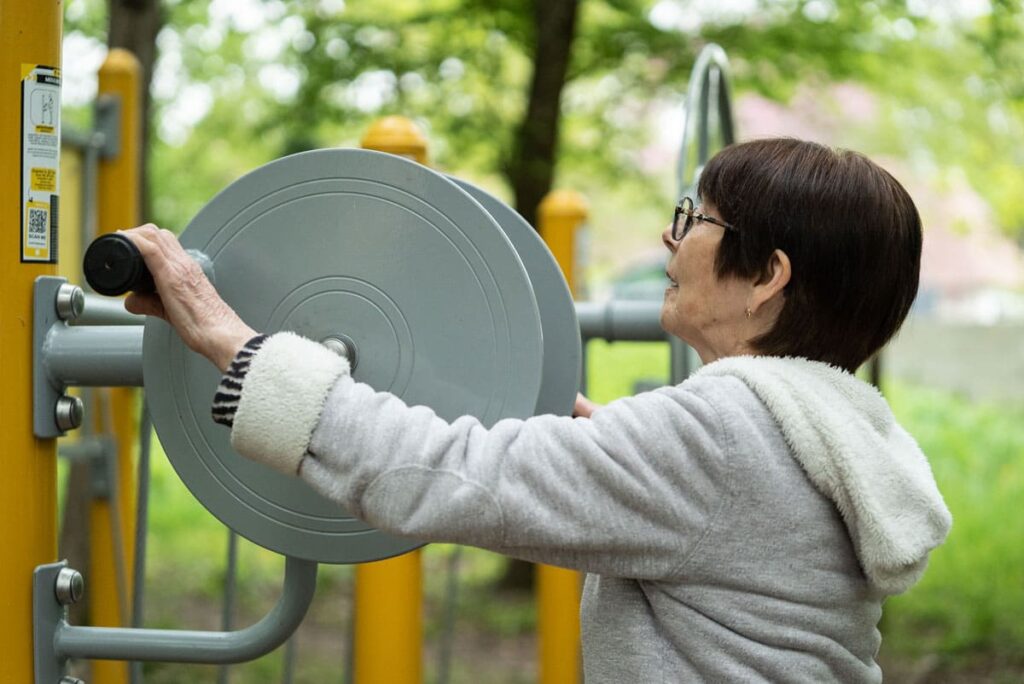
{"x": 185, "y": 298}
{"x": 584, "y": 407}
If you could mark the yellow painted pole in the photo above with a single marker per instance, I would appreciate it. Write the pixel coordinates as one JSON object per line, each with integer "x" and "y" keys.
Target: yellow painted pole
{"x": 389, "y": 593}
{"x": 561, "y": 215}
{"x": 69, "y": 265}
{"x": 30, "y": 35}
{"x": 396, "y": 135}
{"x": 119, "y": 201}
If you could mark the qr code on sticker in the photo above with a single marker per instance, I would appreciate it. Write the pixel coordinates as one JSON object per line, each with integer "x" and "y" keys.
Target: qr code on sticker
{"x": 37, "y": 220}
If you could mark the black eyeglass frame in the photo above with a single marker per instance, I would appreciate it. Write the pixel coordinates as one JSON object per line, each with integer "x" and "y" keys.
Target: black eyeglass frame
{"x": 685, "y": 208}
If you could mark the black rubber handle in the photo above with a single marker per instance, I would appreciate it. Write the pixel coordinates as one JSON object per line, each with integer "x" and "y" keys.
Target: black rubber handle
{"x": 113, "y": 265}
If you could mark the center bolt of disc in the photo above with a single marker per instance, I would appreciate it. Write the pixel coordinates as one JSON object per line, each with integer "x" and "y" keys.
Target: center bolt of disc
{"x": 342, "y": 345}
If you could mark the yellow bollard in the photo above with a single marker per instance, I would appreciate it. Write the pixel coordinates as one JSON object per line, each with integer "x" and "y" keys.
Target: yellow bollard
{"x": 30, "y": 36}
{"x": 389, "y": 593}
{"x": 397, "y": 135}
{"x": 113, "y": 536}
{"x": 561, "y": 215}
{"x": 558, "y": 625}
{"x": 389, "y": 621}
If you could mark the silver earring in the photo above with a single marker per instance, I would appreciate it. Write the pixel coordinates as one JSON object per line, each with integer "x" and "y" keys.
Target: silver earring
{"x": 749, "y": 312}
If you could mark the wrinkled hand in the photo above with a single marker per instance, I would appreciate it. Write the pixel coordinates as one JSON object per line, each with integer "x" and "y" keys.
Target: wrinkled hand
{"x": 584, "y": 407}
{"x": 185, "y": 298}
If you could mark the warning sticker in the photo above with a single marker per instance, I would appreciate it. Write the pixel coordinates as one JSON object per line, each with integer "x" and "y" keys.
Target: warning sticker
{"x": 44, "y": 179}
{"x": 40, "y": 162}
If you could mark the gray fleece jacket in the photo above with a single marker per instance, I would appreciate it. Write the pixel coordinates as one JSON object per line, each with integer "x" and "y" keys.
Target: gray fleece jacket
{"x": 745, "y": 525}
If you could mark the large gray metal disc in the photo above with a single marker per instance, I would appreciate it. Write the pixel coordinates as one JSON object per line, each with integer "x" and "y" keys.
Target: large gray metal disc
{"x": 367, "y": 246}
{"x": 562, "y": 346}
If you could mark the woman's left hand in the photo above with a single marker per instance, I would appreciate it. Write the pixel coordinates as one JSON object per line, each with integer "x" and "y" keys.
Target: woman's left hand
{"x": 584, "y": 408}
{"x": 186, "y": 298}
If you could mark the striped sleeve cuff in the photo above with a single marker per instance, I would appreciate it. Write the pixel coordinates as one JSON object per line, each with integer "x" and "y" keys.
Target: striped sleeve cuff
{"x": 229, "y": 391}
{"x": 285, "y": 389}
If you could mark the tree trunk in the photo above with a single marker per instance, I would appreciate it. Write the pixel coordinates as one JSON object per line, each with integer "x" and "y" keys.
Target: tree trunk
{"x": 134, "y": 25}
{"x": 531, "y": 169}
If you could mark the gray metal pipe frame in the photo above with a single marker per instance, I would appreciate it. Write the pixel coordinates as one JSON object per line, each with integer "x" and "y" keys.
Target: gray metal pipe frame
{"x": 186, "y": 646}
{"x": 95, "y": 356}
{"x": 99, "y": 310}
{"x": 709, "y": 81}
{"x": 621, "y": 320}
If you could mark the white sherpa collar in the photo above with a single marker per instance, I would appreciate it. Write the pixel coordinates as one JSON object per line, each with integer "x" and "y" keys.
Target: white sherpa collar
{"x": 844, "y": 435}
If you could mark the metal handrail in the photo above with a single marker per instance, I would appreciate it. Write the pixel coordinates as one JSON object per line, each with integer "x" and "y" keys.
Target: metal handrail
{"x": 188, "y": 646}
{"x": 709, "y": 82}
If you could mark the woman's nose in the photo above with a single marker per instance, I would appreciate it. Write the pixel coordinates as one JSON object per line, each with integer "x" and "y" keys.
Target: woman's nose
{"x": 666, "y": 238}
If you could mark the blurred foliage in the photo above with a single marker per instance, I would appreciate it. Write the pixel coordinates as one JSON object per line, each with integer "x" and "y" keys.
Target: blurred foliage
{"x": 236, "y": 88}
{"x": 967, "y": 607}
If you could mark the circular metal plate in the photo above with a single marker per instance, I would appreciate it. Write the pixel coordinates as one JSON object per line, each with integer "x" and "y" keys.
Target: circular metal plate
{"x": 562, "y": 346}
{"x": 372, "y": 247}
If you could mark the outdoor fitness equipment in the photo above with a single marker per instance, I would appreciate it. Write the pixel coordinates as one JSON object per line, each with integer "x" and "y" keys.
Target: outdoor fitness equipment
{"x": 708, "y": 116}
{"x": 425, "y": 283}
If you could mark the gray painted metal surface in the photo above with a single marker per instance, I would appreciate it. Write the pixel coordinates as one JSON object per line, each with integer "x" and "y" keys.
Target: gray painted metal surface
{"x": 708, "y": 88}
{"x": 64, "y": 356}
{"x": 621, "y": 320}
{"x": 45, "y": 392}
{"x": 562, "y": 355}
{"x": 47, "y": 614}
{"x": 379, "y": 249}
{"x": 56, "y": 640}
{"x": 99, "y": 310}
{"x": 94, "y": 356}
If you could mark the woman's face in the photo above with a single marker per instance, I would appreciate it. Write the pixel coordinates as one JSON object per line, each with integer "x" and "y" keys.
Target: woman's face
{"x": 706, "y": 312}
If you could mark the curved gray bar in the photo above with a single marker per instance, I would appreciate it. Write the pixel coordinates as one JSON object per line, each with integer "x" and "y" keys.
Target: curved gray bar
{"x": 621, "y": 320}
{"x": 186, "y": 646}
{"x": 94, "y": 356}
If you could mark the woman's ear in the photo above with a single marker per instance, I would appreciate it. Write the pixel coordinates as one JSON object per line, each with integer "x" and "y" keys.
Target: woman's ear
{"x": 773, "y": 281}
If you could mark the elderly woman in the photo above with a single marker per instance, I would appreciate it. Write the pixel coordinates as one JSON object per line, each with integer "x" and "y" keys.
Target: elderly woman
{"x": 745, "y": 525}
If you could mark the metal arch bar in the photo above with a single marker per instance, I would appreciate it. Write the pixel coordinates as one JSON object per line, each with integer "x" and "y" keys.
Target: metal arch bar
{"x": 187, "y": 646}
{"x": 710, "y": 72}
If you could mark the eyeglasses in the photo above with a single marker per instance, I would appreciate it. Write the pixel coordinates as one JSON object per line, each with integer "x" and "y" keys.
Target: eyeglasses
{"x": 685, "y": 208}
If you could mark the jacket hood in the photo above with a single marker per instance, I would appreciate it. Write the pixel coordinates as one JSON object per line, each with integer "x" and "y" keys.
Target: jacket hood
{"x": 845, "y": 437}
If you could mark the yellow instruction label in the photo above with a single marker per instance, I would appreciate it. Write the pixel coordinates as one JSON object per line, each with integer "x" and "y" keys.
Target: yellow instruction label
{"x": 44, "y": 179}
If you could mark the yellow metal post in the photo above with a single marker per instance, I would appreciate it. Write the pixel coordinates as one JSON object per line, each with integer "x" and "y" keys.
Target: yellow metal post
{"x": 389, "y": 621}
{"x": 561, "y": 215}
{"x": 72, "y": 166}
{"x": 389, "y": 593}
{"x": 396, "y": 135}
{"x": 30, "y": 35}
{"x": 113, "y": 536}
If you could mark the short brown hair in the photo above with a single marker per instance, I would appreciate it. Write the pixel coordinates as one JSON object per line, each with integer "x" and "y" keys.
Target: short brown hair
{"x": 851, "y": 231}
